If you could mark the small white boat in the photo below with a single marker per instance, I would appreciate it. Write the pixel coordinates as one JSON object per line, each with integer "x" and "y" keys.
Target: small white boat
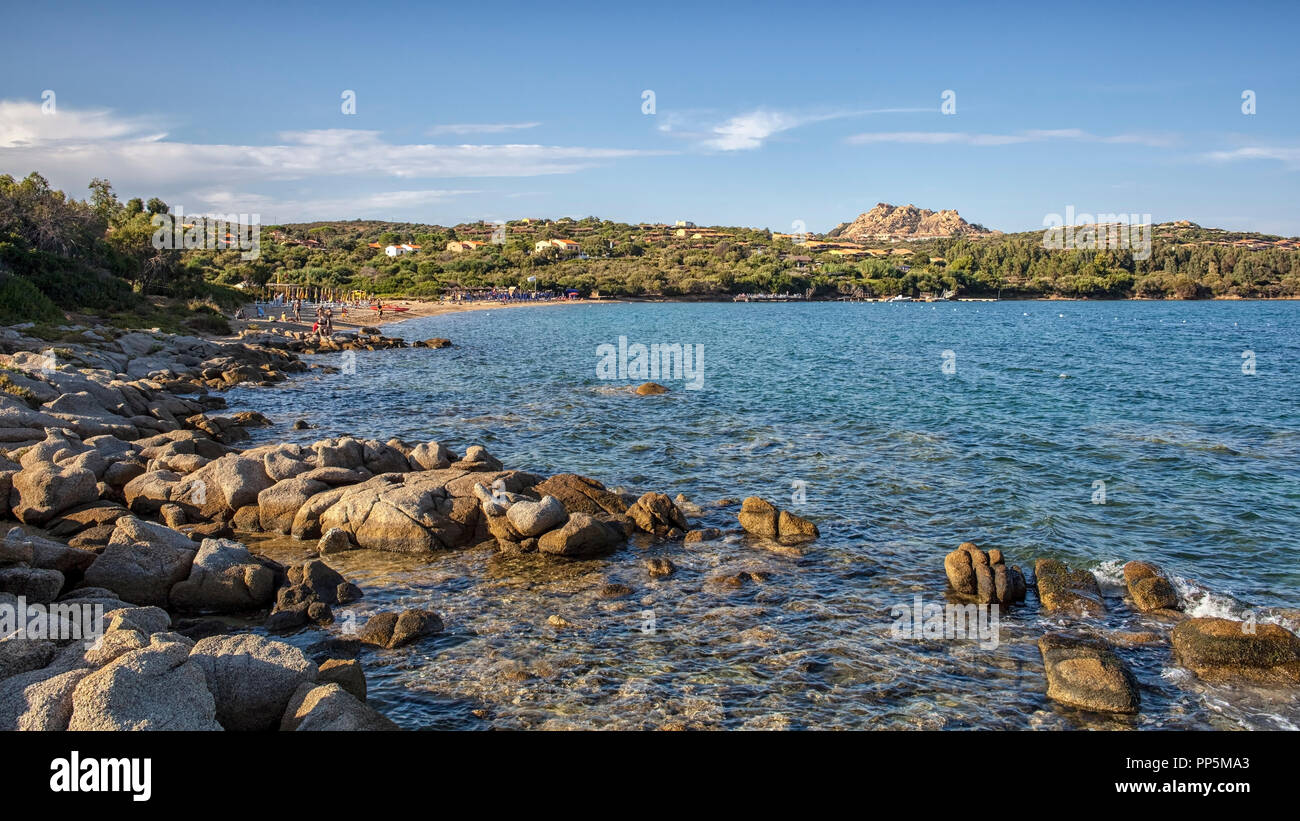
{"x": 900, "y": 298}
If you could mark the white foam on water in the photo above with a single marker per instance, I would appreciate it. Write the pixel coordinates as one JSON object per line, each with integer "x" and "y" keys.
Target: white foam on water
{"x": 1201, "y": 602}
{"x": 1197, "y": 600}
{"x": 1110, "y": 576}
{"x": 1177, "y": 675}
{"x": 1282, "y": 723}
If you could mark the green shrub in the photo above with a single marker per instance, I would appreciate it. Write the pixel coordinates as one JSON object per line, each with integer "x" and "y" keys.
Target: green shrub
{"x": 208, "y": 321}
{"x": 7, "y": 386}
{"x": 21, "y": 301}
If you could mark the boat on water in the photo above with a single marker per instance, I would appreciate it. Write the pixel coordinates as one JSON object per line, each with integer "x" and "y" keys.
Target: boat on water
{"x": 900, "y": 298}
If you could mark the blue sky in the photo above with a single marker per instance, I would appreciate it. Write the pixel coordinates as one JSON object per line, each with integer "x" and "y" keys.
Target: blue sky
{"x": 765, "y": 113}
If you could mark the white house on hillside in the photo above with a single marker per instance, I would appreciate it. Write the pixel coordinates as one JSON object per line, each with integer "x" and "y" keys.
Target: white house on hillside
{"x": 564, "y": 246}
{"x": 398, "y": 250}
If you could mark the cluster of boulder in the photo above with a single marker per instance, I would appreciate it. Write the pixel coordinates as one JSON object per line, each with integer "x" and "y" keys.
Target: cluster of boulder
{"x": 1083, "y": 669}
{"x": 142, "y": 675}
{"x": 140, "y": 671}
{"x": 134, "y": 386}
{"x": 307, "y": 343}
{"x": 129, "y": 493}
{"x": 763, "y": 519}
{"x": 366, "y": 338}
{"x": 982, "y": 577}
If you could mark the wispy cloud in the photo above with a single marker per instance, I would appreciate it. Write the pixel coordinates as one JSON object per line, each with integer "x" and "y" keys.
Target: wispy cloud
{"x": 977, "y": 139}
{"x": 24, "y": 125}
{"x": 85, "y": 144}
{"x": 478, "y": 128}
{"x": 1288, "y": 156}
{"x": 750, "y": 130}
{"x": 376, "y": 205}
{"x": 72, "y": 146}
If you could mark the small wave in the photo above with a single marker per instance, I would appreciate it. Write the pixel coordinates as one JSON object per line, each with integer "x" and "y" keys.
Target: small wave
{"x": 1110, "y": 576}
{"x": 1198, "y": 601}
{"x": 1178, "y": 675}
{"x": 1201, "y": 602}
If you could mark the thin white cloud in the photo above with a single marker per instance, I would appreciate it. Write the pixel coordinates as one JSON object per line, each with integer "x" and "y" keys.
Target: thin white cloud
{"x": 81, "y": 145}
{"x": 977, "y": 139}
{"x": 750, "y": 130}
{"x": 478, "y": 128}
{"x": 24, "y": 124}
{"x": 1288, "y": 156}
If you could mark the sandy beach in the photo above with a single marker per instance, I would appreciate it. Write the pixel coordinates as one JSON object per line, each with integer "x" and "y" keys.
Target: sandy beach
{"x": 415, "y": 308}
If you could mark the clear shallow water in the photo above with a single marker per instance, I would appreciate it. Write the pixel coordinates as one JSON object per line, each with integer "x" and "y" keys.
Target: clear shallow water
{"x": 901, "y": 463}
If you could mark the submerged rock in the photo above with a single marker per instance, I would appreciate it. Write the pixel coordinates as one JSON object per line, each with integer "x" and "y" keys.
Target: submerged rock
{"x": 655, "y": 513}
{"x": 1085, "y": 673}
{"x": 660, "y": 567}
{"x": 1149, "y": 587}
{"x": 392, "y": 630}
{"x": 1062, "y": 589}
{"x": 615, "y": 590}
{"x": 761, "y": 518}
{"x": 1225, "y": 650}
{"x": 983, "y": 578}
{"x": 704, "y": 534}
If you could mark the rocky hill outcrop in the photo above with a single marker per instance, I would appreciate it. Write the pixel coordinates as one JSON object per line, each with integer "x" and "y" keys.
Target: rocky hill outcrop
{"x": 887, "y": 221}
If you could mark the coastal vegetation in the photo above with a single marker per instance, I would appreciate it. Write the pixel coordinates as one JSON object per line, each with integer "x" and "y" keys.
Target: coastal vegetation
{"x": 96, "y": 256}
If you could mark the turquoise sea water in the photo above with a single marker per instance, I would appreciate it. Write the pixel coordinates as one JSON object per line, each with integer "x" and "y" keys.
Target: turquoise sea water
{"x": 900, "y": 461}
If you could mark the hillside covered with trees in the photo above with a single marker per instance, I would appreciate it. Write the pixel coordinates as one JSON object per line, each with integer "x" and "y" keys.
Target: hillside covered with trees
{"x": 95, "y": 255}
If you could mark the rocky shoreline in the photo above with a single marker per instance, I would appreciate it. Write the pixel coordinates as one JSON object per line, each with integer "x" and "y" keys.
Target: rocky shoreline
{"x": 1080, "y": 662}
{"x": 129, "y": 494}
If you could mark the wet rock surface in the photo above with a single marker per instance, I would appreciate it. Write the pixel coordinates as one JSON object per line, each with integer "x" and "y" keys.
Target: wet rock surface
{"x": 1226, "y": 650}
{"x": 1085, "y": 673}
